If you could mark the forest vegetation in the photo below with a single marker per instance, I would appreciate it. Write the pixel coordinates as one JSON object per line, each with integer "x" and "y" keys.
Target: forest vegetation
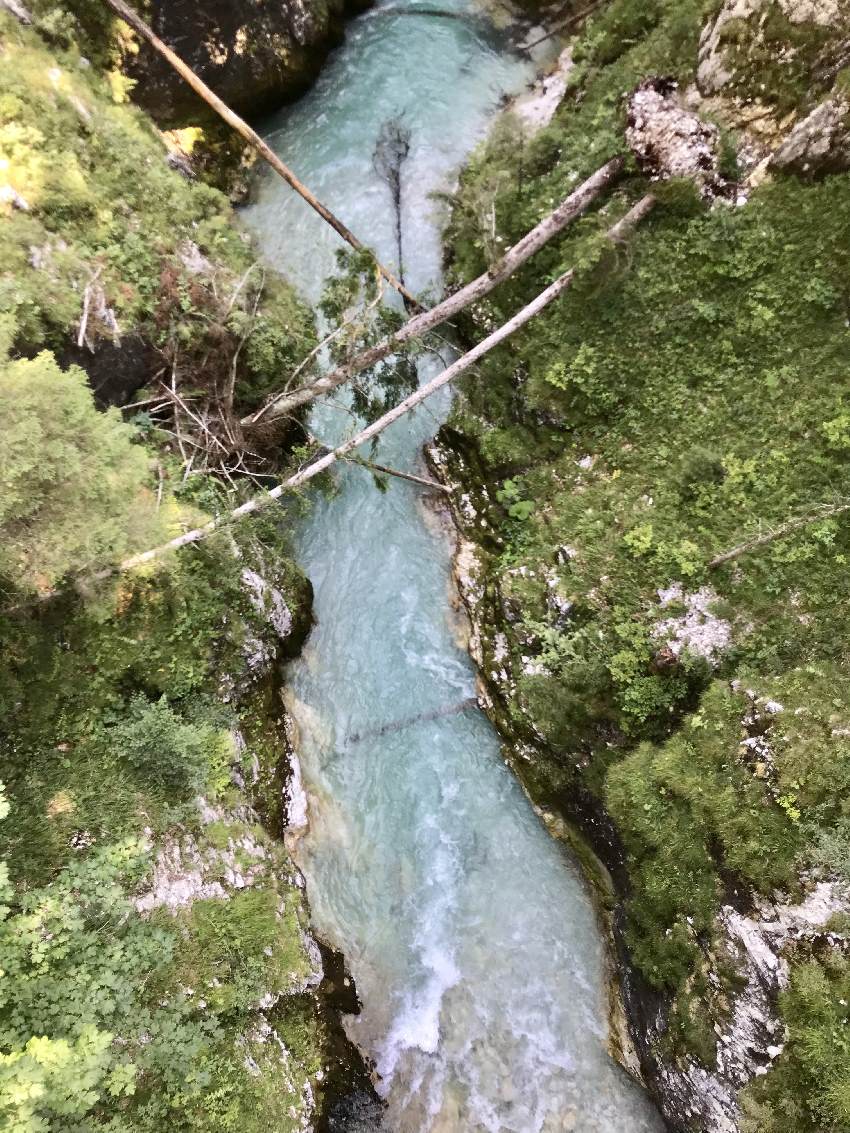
{"x": 652, "y": 471}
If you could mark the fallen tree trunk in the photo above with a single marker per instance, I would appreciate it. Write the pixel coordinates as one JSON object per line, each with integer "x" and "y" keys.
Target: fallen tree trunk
{"x": 826, "y": 511}
{"x": 570, "y": 208}
{"x": 221, "y": 108}
{"x": 616, "y": 234}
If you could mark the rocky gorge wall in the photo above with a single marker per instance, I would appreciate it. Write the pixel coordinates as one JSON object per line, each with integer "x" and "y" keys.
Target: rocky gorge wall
{"x": 255, "y": 54}
{"x": 681, "y": 715}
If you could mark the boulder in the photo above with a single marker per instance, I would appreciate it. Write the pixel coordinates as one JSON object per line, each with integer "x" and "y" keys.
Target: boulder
{"x": 255, "y": 54}
{"x": 669, "y": 140}
{"x": 820, "y": 142}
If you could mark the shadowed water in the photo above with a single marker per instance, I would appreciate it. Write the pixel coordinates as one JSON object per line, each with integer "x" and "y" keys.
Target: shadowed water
{"x": 467, "y": 928}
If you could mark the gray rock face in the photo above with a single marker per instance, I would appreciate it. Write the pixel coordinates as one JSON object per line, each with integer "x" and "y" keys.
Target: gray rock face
{"x": 820, "y": 143}
{"x": 715, "y": 68}
{"x": 255, "y": 54}
{"x": 750, "y": 1034}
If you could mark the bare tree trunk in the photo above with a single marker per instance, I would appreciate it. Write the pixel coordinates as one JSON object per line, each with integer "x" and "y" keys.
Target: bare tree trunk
{"x": 570, "y": 208}
{"x": 17, "y": 9}
{"x": 251, "y": 136}
{"x": 616, "y": 233}
{"x": 434, "y": 485}
{"x": 824, "y": 512}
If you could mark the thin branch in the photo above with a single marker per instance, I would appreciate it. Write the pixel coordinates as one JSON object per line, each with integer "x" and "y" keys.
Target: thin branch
{"x": 231, "y": 385}
{"x": 421, "y": 480}
{"x": 562, "y": 25}
{"x": 238, "y": 289}
{"x": 825, "y": 511}
{"x": 84, "y": 319}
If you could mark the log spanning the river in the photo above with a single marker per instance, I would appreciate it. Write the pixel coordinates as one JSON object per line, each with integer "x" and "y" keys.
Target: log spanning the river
{"x": 253, "y": 139}
{"x": 569, "y": 210}
{"x": 616, "y": 234}
{"x": 408, "y": 721}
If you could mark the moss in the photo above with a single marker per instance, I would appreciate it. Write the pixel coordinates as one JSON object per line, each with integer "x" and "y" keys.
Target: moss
{"x": 786, "y": 64}
{"x": 104, "y": 208}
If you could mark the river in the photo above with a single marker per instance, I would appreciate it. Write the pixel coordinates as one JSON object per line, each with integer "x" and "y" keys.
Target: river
{"x": 469, "y": 931}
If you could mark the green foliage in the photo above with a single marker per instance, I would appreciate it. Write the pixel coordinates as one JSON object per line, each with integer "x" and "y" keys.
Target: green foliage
{"x": 104, "y": 208}
{"x": 686, "y": 810}
{"x": 99, "y": 1024}
{"x": 74, "y": 489}
{"x": 169, "y": 756}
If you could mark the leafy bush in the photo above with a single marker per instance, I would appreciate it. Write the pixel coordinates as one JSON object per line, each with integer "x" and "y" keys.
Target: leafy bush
{"x": 171, "y": 757}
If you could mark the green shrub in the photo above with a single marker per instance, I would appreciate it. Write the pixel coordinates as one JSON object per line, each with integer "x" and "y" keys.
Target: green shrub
{"x": 74, "y": 489}
{"x": 170, "y": 757}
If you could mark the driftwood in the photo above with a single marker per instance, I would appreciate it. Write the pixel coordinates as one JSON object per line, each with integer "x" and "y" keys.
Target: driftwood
{"x": 251, "y": 136}
{"x": 570, "y": 208}
{"x": 616, "y": 234}
{"x": 826, "y": 511}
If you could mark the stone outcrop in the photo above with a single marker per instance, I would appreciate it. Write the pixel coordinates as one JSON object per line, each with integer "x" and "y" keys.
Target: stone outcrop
{"x": 820, "y": 143}
{"x": 747, "y": 33}
{"x": 755, "y": 944}
{"x": 772, "y": 71}
{"x": 255, "y": 54}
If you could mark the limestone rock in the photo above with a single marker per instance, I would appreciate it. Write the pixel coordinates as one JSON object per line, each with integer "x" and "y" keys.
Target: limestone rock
{"x": 715, "y": 68}
{"x": 669, "y": 140}
{"x": 826, "y": 13}
{"x": 820, "y": 143}
{"x": 746, "y": 33}
{"x": 750, "y": 1033}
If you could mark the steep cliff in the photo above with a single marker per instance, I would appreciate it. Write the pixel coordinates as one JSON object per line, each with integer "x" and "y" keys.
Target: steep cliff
{"x": 254, "y": 54}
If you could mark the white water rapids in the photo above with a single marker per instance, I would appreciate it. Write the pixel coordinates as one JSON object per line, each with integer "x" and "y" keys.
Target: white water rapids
{"x": 468, "y": 930}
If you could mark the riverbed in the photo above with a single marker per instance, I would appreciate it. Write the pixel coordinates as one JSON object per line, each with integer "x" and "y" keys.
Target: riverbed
{"x": 469, "y": 931}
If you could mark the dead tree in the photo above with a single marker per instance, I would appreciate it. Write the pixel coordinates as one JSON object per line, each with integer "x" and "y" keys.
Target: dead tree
{"x": 391, "y": 150}
{"x": 251, "y": 137}
{"x": 570, "y": 208}
{"x": 616, "y": 234}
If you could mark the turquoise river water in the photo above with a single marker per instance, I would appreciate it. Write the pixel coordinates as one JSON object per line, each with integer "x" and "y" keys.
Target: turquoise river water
{"x": 468, "y": 929}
